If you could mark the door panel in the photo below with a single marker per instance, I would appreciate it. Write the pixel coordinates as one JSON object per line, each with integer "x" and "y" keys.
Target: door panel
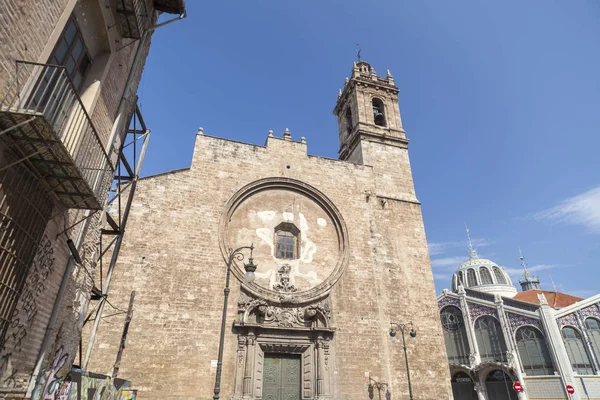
{"x": 281, "y": 377}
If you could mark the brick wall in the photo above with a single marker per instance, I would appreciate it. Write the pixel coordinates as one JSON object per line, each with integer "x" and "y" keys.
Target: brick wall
{"x": 24, "y": 30}
{"x": 25, "y": 27}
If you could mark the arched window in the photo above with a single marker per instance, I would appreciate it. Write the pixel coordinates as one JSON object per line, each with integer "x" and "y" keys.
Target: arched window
{"x": 580, "y": 360}
{"x": 455, "y": 335}
{"x": 500, "y": 278}
{"x": 286, "y": 241}
{"x": 378, "y": 112}
{"x": 593, "y": 328}
{"x": 348, "y": 117}
{"x": 486, "y": 277}
{"x": 533, "y": 351}
{"x": 490, "y": 339}
{"x": 471, "y": 277}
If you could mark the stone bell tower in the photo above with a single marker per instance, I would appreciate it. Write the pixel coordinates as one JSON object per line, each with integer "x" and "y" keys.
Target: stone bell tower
{"x": 370, "y": 129}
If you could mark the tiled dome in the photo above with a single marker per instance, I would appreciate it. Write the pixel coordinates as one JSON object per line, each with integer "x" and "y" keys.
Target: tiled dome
{"x": 483, "y": 275}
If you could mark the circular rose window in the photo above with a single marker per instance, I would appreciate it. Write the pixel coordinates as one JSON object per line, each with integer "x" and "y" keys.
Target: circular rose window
{"x": 299, "y": 237}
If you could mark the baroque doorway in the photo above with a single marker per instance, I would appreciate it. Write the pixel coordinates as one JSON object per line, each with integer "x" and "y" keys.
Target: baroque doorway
{"x": 281, "y": 377}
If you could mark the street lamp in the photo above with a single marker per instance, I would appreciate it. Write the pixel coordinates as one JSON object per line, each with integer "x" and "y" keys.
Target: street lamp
{"x": 394, "y": 328}
{"x": 250, "y": 267}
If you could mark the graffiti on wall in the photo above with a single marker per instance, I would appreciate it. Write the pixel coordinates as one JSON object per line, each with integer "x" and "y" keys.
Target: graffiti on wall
{"x": 55, "y": 378}
{"x": 26, "y": 311}
{"x": 83, "y": 385}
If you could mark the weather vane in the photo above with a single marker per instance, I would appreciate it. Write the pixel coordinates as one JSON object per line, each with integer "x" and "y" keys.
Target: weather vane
{"x": 469, "y": 238}
{"x": 523, "y": 263}
{"x": 358, "y": 51}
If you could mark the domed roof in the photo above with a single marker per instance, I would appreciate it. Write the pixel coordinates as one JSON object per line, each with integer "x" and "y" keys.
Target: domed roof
{"x": 483, "y": 275}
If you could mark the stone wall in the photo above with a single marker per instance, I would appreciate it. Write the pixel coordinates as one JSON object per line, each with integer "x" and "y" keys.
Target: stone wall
{"x": 171, "y": 257}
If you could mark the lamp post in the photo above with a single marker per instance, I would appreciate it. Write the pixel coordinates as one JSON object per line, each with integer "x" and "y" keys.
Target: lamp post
{"x": 395, "y": 327}
{"x": 250, "y": 267}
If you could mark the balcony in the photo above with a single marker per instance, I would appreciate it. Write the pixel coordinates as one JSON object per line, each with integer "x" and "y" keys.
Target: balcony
{"x": 132, "y": 17}
{"x": 43, "y": 120}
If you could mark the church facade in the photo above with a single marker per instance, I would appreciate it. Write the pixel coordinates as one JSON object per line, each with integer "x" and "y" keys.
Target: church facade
{"x": 545, "y": 341}
{"x": 341, "y": 254}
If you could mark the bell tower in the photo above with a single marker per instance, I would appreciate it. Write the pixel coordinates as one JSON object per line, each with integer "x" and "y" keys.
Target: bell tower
{"x": 370, "y": 129}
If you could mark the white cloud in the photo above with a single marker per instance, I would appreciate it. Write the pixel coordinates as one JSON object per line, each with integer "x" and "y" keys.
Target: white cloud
{"x": 518, "y": 272}
{"x": 448, "y": 261}
{"x": 442, "y": 276}
{"x": 438, "y": 248}
{"x": 583, "y": 209}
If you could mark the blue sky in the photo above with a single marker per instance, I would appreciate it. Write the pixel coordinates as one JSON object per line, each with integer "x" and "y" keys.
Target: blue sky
{"x": 501, "y": 101}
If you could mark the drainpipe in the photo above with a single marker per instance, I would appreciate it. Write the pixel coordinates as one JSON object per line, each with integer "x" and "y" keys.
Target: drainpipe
{"x": 35, "y": 382}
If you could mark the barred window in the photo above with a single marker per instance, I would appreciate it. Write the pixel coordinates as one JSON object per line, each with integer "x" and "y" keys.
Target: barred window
{"x": 580, "y": 360}
{"x": 486, "y": 277}
{"x": 455, "y": 336}
{"x": 593, "y": 328}
{"x": 490, "y": 339}
{"x": 471, "y": 277}
{"x": 534, "y": 352}
{"x": 499, "y": 276}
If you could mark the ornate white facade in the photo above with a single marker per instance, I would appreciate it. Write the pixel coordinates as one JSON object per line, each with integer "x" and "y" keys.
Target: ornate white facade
{"x": 494, "y": 340}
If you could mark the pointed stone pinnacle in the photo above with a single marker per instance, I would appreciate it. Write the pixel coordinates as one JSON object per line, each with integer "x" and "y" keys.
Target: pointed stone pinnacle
{"x": 287, "y": 135}
{"x": 200, "y": 131}
{"x": 389, "y": 74}
{"x": 339, "y": 93}
{"x": 303, "y": 140}
{"x": 270, "y": 133}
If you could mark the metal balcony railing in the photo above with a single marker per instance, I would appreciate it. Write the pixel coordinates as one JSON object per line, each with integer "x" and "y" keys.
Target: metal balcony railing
{"x": 44, "y": 121}
{"x": 132, "y": 15}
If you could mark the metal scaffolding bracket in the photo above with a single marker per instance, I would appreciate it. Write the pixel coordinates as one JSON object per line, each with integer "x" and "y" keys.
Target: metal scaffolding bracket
{"x": 131, "y": 157}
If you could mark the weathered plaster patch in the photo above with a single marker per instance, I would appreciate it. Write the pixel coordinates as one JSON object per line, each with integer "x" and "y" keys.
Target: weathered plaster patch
{"x": 288, "y": 216}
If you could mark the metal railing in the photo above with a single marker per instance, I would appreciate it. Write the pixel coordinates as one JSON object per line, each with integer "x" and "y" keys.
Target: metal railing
{"x": 46, "y": 91}
{"x": 132, "y": 17}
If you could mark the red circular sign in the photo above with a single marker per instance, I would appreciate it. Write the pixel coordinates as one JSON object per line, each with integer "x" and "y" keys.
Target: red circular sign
{"x": 570, "y": 389}
{"x": 518, "y": 388}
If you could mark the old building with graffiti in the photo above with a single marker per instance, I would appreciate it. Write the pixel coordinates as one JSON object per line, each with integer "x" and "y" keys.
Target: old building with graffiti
{"x": 547, "y": 341}
{"x": 69, "y": 71}
{"x": 333, "y": 243}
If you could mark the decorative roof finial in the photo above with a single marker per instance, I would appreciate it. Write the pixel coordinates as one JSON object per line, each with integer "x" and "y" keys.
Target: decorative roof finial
{"x": 472, "y": 252}
{"x": 523, "y": 263}
{"x": 358, "y": 51}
